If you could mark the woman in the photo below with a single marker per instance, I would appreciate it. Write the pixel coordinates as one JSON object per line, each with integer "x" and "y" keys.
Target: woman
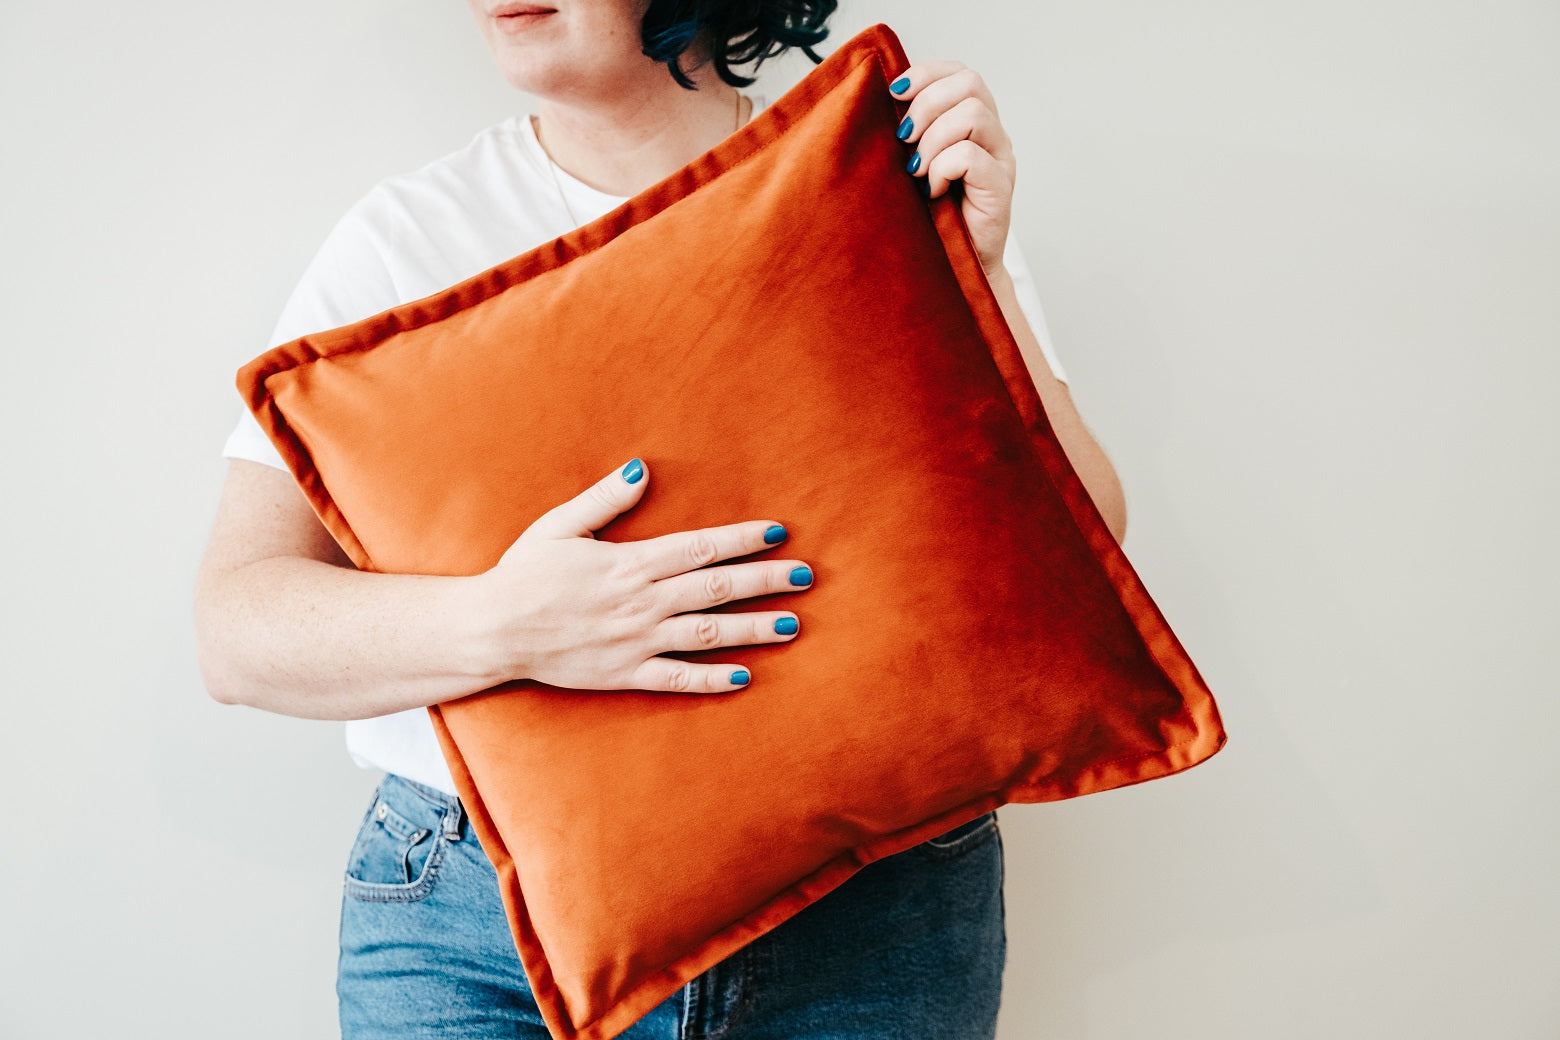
{"x": 629, "y": 91}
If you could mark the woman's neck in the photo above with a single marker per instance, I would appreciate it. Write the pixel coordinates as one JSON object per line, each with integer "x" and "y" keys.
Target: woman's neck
{"x": 623, "y": 147}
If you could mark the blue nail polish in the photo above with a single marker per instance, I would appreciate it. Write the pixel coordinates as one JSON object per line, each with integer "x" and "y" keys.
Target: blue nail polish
{"x": 740, "y": 676}
{"x": 775, "y": 533}
{"x": 785, "y": 626}
{"x": 633, "y": 471}
{"x": 900, "y": 85}
{"x": 926, "y": 187}
{"x": 914, "y": 163}
{"x": 904, "y": 128}
{"x": 801, "y": 575}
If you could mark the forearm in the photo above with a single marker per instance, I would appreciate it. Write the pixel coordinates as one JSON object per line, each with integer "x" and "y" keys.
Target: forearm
{"x": 305, "y": 638}
{"x": 1088, "y": 459}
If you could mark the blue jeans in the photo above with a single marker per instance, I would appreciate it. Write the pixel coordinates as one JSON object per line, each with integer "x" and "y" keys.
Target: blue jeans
{"x": 912, "y": 945}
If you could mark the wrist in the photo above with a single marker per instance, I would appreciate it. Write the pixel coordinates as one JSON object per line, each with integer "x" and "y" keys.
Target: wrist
{"x": 482, "y": 651}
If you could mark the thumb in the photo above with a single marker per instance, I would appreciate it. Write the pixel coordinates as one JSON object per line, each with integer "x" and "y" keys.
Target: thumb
{"x": 615, "y": 493}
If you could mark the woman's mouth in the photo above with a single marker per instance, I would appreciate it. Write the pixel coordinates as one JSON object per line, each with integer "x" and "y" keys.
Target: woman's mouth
{"x": 512, "y": 17}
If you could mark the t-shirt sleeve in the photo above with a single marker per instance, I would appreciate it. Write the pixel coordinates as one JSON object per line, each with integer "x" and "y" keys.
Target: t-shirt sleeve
{"x": 346, "y": 280}
{"x": 1029, "y": 301}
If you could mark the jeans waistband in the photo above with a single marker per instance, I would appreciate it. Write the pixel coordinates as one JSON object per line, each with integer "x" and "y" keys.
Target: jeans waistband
{"x": 454, "y": 811}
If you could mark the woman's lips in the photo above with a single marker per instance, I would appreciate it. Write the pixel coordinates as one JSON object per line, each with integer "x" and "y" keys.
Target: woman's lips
{"x": 516, "y": 17}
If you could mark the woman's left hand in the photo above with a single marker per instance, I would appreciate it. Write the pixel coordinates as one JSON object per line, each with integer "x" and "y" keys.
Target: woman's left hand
{"x": 953, "y": 128}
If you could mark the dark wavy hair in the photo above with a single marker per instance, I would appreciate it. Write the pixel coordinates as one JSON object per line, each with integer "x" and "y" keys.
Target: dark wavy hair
{"x": 736, "y": 31}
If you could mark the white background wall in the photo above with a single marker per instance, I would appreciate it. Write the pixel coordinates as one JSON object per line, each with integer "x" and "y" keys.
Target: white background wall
{"x": 1301, "y": 263}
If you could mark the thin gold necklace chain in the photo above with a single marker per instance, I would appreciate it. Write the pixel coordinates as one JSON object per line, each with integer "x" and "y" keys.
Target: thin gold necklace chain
{"x": 552, "y": 167}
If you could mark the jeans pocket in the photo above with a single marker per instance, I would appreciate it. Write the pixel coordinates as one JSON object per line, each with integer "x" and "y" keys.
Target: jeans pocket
{"x": 398, "y": 850}
{"x": 961, "y": 839}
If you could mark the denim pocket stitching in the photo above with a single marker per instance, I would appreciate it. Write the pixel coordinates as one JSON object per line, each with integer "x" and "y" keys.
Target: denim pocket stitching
{"x": 405, "y": 891}
{"x": 937, "y": 848}
{"x": 395, "y": 823}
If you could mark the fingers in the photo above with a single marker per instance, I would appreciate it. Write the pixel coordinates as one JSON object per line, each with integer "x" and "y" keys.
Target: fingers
{"x": 915, "y": 78}
{"x": 708, "y": 631}
{"x": 950, "y": 103}
{"x": 680, "y": 551}
{"x": 933, "y": 87}
{"x": 592, "y": 508}
{"x": 675, "y": 569}
{"x": 976, "y": 167}
{"x": 673, "y": 676}
{"x": 702, "y": 589}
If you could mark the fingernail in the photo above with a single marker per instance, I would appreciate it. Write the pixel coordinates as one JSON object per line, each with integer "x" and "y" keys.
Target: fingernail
{"x": 904, "y": 128}
{"x": 801, "y": 575}
{"x": 914, "y": 164}
{"x": 900, "y": 85}
{"x": 740, "y": 676}
{"x": 926, "y": 187}
{"x": 775, "y": 533}
{"x": 633, "y": 471}
{"x": 785, "y": 626}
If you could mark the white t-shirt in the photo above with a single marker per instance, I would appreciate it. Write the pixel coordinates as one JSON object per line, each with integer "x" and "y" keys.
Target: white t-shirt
{"x": 417, "y": 233}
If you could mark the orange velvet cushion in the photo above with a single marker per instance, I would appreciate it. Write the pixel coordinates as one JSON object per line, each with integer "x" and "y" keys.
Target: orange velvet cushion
{"x": 785, "y": 328}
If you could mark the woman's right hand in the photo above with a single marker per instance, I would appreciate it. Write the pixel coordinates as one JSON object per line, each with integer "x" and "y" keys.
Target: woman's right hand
{"x": 570, "y": 610}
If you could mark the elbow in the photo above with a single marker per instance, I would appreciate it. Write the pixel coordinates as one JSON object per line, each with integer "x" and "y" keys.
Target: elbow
{"x": 216, "y": 681}
{"x": 217, "y": 688}
{"x": 214, "y": 676}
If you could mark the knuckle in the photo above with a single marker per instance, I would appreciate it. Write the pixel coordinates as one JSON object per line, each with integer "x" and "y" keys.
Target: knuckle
{"x": 602, "y": 495}
{"x": 679, "y": 678}
{"x": 618, "y": 559}
{"x": 702, "y": 549}
{"x": 633, "y": 606}
{"x": 706, "y": 631}
{"x": 717, "y": 585}
{"x": 627, "y": 567}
